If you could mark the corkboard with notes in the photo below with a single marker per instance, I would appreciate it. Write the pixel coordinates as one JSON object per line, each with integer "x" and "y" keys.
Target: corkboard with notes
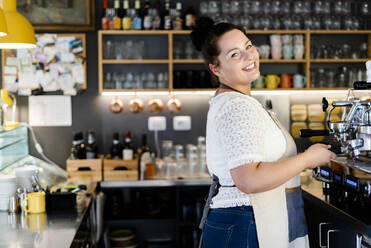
{"x": 57, "y": 64}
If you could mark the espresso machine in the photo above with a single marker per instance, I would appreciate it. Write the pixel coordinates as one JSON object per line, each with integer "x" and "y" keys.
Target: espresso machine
{"x": 347, "y": 180}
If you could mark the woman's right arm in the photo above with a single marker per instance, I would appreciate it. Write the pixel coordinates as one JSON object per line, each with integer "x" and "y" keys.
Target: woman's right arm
{"x": 264, "y": 176}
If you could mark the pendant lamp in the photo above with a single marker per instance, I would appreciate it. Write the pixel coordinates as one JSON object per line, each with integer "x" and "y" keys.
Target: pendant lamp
{"x": 21, "y": 34}
{"x": 3, "y": 28}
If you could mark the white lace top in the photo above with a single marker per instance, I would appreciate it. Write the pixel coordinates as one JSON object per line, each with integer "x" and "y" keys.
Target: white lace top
{"x": 239, "y": 131}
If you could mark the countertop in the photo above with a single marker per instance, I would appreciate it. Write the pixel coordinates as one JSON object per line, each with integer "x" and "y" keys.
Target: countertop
{"x": 39, "y": 230}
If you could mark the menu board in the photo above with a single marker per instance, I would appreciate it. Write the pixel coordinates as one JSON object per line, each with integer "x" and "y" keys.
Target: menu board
{"x": 56, "y": 65}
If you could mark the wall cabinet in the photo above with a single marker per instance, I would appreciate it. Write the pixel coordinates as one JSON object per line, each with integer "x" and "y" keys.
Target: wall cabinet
{"x": 165, "y": 61}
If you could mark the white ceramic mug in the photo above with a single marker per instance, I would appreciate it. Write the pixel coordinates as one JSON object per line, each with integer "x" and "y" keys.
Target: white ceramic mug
{"x": 275, "y": 39}
{"x": 264, "y": 51}
{"x": 276, "y": 52}
{"x": 298, "y": 51}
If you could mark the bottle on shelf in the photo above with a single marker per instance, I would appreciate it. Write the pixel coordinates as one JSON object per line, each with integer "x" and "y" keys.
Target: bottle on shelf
{"x": 136, "y": 23}
{"x": 91, "y": 148}
{"x": 128, "y": 150}
{"x": 156, "y": 19}
{"x": 116, "y": 150}
{"x": 147, "y": 16}
{"x": 166, "y": 16}
{"x": 126, "y": 20}
{"x": 178, "y": 20}
{"x": 190, "y": 17}
{"x": 150, "y": 167}
{"x": 78, "y": 150}
{"x": 116, "y": 20}
{"x": 106, "y": 19}
{"x": 144, "y": 157}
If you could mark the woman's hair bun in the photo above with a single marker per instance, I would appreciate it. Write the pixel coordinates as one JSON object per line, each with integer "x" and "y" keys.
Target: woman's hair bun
{"x": 200, "y": 32}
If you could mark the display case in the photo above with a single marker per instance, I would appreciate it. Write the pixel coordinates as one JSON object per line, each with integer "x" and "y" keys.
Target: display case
{"x": 14, "y": 153}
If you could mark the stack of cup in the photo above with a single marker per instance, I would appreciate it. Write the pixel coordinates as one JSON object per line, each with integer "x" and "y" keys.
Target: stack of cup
{"x": 276, "y": 46}
{"x": 287, "y": 48}
{"x": 298, "y": 46}
{"x": 7, "y": 190}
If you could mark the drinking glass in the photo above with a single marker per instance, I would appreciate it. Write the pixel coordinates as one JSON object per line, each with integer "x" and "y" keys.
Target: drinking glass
{"x": 204, "y": 8}
{"x": 235, "y": 8}
{"x": 129, "y": 49}
{"x": 129, "y": 82}
{"x": 318, "y": 8}
{"x": 138, "y": 47}
{"x": 213, "y": 7}
{"x": 267, "y": 6}
{"x": 298, "y": 7}
{"x": 151, "y": 83}
{"x": 108, "y": 50}
{"x": 275, "y": 7}
{"x": 226, "y": 8}
{"x": 246, "y": 7}
{"x": 255, "y": 7}
{"x": 286, "y": 8}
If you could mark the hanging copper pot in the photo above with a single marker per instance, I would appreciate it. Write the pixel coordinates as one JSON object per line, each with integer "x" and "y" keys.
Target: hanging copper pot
{"x": 155, "y": 105}
{"x": 116, "y": 106}
{"x": 136, "y": 105}
{"x": 174, "y": 105}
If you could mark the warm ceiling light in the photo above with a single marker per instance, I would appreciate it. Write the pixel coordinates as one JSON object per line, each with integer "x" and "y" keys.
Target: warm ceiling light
{"x": 3, "y": 28}
{"x": 21, "y": 34}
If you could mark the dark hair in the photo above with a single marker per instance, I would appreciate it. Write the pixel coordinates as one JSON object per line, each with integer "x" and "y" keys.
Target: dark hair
{"x": 205, "y": 37}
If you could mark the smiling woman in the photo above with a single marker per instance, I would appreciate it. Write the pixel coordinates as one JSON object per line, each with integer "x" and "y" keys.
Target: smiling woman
{"x": 255, "y": 199}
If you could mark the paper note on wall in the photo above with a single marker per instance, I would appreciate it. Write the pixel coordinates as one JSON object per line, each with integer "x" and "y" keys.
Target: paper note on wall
{"x": 49, "y": 111}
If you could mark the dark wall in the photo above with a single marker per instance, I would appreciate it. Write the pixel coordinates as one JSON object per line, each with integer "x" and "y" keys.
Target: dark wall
{"x": 90, "y": 110}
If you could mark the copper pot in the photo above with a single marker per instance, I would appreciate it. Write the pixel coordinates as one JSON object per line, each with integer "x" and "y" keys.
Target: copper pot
{"x": 136, "y": 105}
{"x": 174, "y": 105}
{"x": 116, "y": 106}
{"x": 155, "y": 105}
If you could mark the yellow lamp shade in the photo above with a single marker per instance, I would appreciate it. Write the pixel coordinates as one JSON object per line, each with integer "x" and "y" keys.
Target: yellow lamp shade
{"x": 3, "y": 27}
{"x": 4, "y": 95}
{"x": 21, "y": 34}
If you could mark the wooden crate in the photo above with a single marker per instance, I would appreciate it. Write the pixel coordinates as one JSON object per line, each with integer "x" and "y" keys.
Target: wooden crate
{"x": 120, "y": 170}
{"x": 86, "y": 170}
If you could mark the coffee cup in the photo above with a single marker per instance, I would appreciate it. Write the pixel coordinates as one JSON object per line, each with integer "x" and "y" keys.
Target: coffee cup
{"x": 34, "y": 202}
{"x": 286, "y": 81}
{"x": 276, "y": 51}
{"x": 288, "y": 51}
{"x": 273, "y": 81}
{"x": 299, "y": 81}
{"x": 298, "y": 51}
{"x": 260, "y": 82}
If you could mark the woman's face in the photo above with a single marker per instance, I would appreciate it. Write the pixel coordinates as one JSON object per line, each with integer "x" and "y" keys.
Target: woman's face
{"x": 238, "y": 59}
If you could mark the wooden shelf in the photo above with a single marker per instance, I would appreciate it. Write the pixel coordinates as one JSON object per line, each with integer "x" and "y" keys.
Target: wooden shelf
{"x": 134, "y": 32}
{"x": 188, "y": 61}
{"x": 340, "y": 31}
{"x": 133, "y": 61}
{"x": 283, "y": 60}
{"x": 305, "y": 63}
{"x": 339, "y": 60}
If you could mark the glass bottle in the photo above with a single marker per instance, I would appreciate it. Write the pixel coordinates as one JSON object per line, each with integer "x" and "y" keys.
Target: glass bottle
{"x": 126, "y": 20}
{"x": 116, "y": 20}
{"x": 144, "y": 157}
{"x": 178, "y": 21}
{"x": 167, "y": 17}
{"x": 137, "y": 19}
{"x": 190, "y": 17}
{"x": 106, "y": 19}
{"x": 147, "y": 16}
{"x": 116, "y": 150}
{"x": 156, "y": 19}
{"x": 150, "y": 167}
{"x": 78, "y": 150}
{"x": 128, "y": 150}
{"x": 91, "y": 148}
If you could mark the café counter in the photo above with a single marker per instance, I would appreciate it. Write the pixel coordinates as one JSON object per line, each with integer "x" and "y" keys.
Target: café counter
{"x": 45, "y": 230}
